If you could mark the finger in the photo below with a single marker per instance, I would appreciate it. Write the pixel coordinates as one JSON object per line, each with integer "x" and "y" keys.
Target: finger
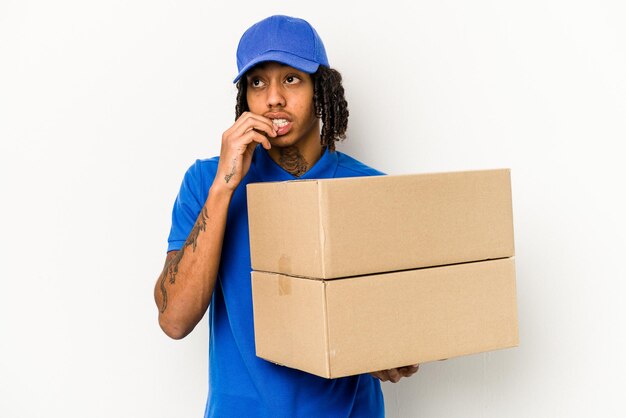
{"x": 248, "y": 121}
{"x": 394, "y": 375}
{"x": 404, "y": 371}
{"x": 408, "y": 371}
{"x": 252, "y": 121}
{"x": 262, "y": 139}
{"x": 253, "y": 136}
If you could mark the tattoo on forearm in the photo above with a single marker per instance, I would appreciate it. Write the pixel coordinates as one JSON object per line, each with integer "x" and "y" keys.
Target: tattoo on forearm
{"x": 292, "y": 161}
{"x": 230, "y": 175}
{"x": 171, "y": 268}
{"x": 200, "y": 225}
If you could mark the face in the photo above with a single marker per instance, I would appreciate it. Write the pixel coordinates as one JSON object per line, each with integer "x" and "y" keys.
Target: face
{"x": 285, "y": 95}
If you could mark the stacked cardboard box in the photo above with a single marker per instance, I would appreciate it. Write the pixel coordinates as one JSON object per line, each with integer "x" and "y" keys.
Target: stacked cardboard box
{"x": 361, "y": 274}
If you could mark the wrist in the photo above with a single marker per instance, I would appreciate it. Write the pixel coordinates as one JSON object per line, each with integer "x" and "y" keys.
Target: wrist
{"x": 221, "y": 190}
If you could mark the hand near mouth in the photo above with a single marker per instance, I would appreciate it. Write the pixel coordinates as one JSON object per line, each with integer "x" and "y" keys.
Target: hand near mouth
{"x": 238, "y": 144}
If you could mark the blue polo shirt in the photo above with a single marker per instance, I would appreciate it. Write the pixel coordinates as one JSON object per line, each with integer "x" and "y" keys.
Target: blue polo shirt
{"x": 240, "y": 383}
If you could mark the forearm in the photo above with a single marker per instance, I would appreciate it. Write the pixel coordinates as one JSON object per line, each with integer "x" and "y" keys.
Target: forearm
{"x": 184, "y": 288}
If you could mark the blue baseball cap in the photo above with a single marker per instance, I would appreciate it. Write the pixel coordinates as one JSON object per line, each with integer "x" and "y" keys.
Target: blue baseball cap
{"x": 288, "y": 40}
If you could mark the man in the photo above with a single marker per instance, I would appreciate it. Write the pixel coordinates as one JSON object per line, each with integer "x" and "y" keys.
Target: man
{"x": 290, "y": 111}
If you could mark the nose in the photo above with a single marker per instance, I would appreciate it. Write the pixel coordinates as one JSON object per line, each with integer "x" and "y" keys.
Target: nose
{"x": 275, "y": 96}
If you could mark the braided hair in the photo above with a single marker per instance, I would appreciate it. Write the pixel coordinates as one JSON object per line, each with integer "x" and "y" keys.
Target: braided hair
{"x": 328, "y": 99}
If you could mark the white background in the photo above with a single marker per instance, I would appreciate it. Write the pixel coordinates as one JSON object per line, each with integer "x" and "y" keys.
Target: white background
{"x": 104, "y": 105}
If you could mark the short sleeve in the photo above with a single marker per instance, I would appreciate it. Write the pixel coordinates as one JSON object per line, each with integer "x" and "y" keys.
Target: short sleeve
{"x": 190, "y": 200}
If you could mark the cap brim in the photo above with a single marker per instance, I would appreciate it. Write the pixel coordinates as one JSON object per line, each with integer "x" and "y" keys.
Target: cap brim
{"x": 284, "y": 58}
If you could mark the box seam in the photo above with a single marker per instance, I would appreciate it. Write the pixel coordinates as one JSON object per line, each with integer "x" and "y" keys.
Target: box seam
{"x": 322, "y": 232}
{"x": 510, "y": 193}
{"x": 325, "y": 279}
{"x": 326, "y": 328}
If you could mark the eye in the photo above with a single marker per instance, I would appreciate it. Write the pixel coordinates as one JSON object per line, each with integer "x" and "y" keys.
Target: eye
{"x": 256, "y": 82}
{"x": 292, "y": 79}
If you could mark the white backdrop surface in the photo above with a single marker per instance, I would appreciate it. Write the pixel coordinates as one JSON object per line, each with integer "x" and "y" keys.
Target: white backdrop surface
{"x": 104, "y": 105}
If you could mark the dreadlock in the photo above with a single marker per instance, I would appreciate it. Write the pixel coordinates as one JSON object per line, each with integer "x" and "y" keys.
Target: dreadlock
{"x": 328, "y": 100}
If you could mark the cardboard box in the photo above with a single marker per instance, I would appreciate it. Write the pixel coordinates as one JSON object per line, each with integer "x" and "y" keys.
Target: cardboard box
{"x": 335, "y": 328}
{"x": 356, "y": 275}
{"x": 353, "y": 226}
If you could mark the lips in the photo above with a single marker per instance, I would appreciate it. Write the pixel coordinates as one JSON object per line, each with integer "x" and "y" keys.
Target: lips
{"x": 281, "y": 123}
